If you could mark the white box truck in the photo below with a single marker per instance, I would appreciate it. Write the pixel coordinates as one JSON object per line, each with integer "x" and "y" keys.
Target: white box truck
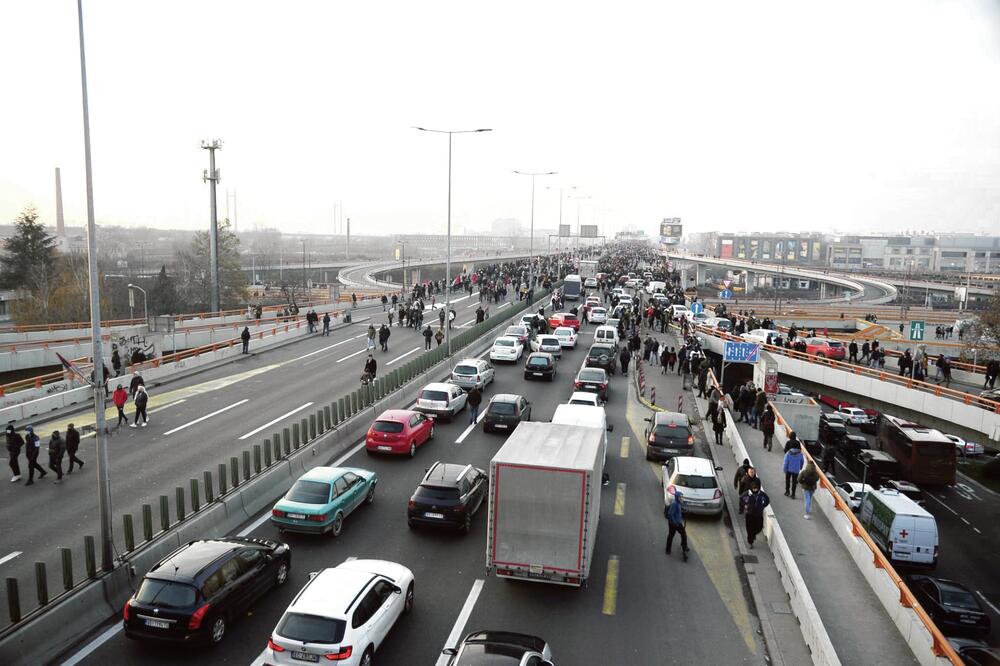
{"x": 545, "y": 503}
{"x": 589, "y": 417}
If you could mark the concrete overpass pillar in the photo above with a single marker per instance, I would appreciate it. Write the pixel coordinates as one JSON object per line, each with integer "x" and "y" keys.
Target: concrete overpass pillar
{"x": 822, "y": 290}
{"x": 700, "y": 274}
{"x": 749, "y": 285}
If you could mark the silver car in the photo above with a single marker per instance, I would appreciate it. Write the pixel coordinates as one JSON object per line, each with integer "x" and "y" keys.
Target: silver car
{"x": 698, "y": 483}
{"x": 547, "y": 343}
{"x": 472, "y": 372}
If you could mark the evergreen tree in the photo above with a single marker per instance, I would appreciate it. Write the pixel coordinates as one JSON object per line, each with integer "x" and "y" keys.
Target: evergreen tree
{"x": 194, "y": 279}
{"x": 163, "y": 298}
{"x": 30, "y": 260}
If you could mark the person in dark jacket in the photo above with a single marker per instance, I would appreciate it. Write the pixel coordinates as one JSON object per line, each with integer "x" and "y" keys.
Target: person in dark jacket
{"x": 754, "y": 503}
{"x": 116, "y": 362}
{"x": 245, "y": 337}
{"x": 719, "y": 425}
{"x": 371, "y": 367}
{"x": 759, "y": 402}
{"x": 992, "y": 370}
{"x": 741, "y": 473}
{"x": 475, "y": 399}
{"x": 136, "y": 382}
{"x": 792, "y": 442}
{"x": 14, "y": 445}
{"x": 703, "y": 378}
{"x": 828, "y": 459}
{"x": 57, "y": 449}
{"x": 624, "y": 359}
{"x": 767, "y": 420}
{"x": 72, "y": 446}
{"x": 808, "y": 478}
{"x": 675, "y": 524}
{"x": 141, "y": 400}
{"x": 32, "y": 447}
{"x": 326, "y": 318}
{"x": 428, "y": 334}
{"x": 747, "y": 481}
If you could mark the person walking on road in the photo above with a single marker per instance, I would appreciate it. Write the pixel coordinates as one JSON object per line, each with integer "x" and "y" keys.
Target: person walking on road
{"x": 746, "y": 482}
{"x": 57, "y": 449}
{"x": 32, "y": 447}
{"x": 439, "y": 337}
{"x": 428, "y": 334}
{"x": 791, "y": 466}
{"x": 852, "y": 349}
{"x": 370, "y": 340}
{"x": 793, "y": 442}
{"x": 141, "y": 400}
{"x": 753, "y": 504}
{"x": 808, "y": 478}
{"x": 72, "y": 446}
{"x": 719, "y": 425}
{"x": 326, "y": 319}
{"x": 119, "y": 398}
{"x": 245, "y": 337}
{"x": 624, "y": 359}
{"x": 371, "y": 367}
{"x": 475, "y": 399}
{"x": 136, "y": 382}
{"x": 675, "y": 524}
{"x": 14, "y": 445}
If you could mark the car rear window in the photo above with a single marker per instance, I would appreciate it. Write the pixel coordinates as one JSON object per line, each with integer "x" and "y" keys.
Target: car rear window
{"x": 504, "y": 343}
{"x": 387, "y": 426}
{"x": 591, "y": 376}
{"x": 671, "y": 431}
{"x": 597, "y": 353}
{"x": 695, "y": 482}
{"x": 538, "y": 362}
{"x": 309, "y": 492}
{"x": 434, "y": 395}
{"x": 835, "y": 344}
{"x": 436, "y": 493}
{"x": 165, "y": 594}
{"x": 502, "y": 408}
{"x": 466, "y": 370}
{"x": 551, "y": 342}
{"x": 311, "y": 628}
{"x": 578, "y": 401}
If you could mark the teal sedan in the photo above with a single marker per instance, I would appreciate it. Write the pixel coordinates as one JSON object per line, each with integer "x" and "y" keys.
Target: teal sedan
{"x": 321, "y": 499}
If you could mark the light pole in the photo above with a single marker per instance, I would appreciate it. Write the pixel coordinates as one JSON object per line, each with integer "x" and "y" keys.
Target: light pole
{"x": 560, "y": 190}
{"x": 447, "y": 279}
{"x": 578, "y": 200}
{"x": 531, "y": 236}
{"x": 212, "y": 176}
{"x": 145, "y": 306}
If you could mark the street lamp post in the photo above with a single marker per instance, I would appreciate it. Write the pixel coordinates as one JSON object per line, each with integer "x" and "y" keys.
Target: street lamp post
{"x": 559, "y": 245}
{"x": 578, "y": 200}
{"x": 531, "y": 235}
{"x": 447, "y": 279}
{"x": 145, "y": 307}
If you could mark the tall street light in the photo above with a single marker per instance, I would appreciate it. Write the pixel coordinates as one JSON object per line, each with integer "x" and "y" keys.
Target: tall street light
{"x": 560, "y": 190}
{"x": 578, "y": 200}
{"x": 531, "y": 236}
{"x": 145, "y": 303}
{"x": 447, "y": 279}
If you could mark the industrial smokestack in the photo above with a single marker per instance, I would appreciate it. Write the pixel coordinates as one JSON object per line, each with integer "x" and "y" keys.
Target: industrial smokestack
{"x": 60, "y": 223}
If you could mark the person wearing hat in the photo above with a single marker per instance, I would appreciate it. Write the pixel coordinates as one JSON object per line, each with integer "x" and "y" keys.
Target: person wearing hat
{"x": 675, "y": 524}
{"x": 57, "y": 449}
{"x": 14, "y": 445}
{"x": 32, "y": 447}
{"x": 753, "y": 504}
{"x": 136, "y": 382}
{"x": 72, "y": 445}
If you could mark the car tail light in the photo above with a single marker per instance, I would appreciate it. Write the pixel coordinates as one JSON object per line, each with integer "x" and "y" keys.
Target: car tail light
{"x": 935, "y": 551}
{"x": 197, "y": 617}
{"x": 127, "y": 610}
{"x": 690, "y": 439}
{"x": 277, "y": 513}
{"x": 577, "y": 384}
{"x": 477, "y": 378}
{"x": 604, "y": 385}
{"x": 344, "y": 653}
{"x": 318, "y": 518}
{"x": 671, "y": 489}
{"x": 274, "y": 646}
{"x": 652, "y": 438}
{"x": 717, "y": 494}
{"x": 411, "y": 505}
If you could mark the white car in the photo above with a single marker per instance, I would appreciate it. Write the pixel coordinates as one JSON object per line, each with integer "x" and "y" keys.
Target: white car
{"x": 598, "y": 315}
{"x": 441, "y": 399}
{"x": 590, "y": 283}
{"x": 761, "y": 335}
{"x": 506, "y": 348}
{"x": 853, "y": 493}
{"x": 585, "y": 398}
{"x": 592, "y": 301}
{"x": 855, "y": 415}
{"x": 567, "y": 336}
{"x": 529, "y": 321}
{"x": 624, "y": 299}
{"x": 547, "y": 343}
{"x": 472, "y": 372}
{"x": 655, "y": 286}
{"x": 342, "y": 615}
{"x": 966, "y": 448}
{"x": 698, "y": 483}
{"x": 679, "y": 310}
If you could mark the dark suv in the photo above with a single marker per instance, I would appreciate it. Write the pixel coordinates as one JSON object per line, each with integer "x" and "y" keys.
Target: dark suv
{"x": 541, "y": 365}
{"x": 193, "y": 593}
{"x": 602, "y": 356}
{"x": 449, "y": 495}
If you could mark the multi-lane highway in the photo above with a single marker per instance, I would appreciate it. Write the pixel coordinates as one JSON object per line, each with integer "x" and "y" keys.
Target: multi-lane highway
{"x": 655, "y": 610}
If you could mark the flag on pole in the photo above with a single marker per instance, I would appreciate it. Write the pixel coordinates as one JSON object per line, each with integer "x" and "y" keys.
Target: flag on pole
{"x": 72, "y": 368}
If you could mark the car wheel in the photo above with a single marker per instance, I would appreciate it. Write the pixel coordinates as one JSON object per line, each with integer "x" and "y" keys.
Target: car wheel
{"x": 430, "y": 436}
{"x": 408, "y": 601}
{"x": 820, "y": 355}
{"x": 338, "y": 525}
{"x": 413, "y": 449}
{"x": 366, "y": 658}
{"x": 410, "y": 524}
{"x": 370, "y": 497}
{"x": 282, "y": 575}
{"x": 218, "y": 631}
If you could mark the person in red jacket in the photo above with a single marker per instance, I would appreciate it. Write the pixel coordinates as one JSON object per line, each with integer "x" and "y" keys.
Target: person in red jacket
{"x": 120, "y": 397}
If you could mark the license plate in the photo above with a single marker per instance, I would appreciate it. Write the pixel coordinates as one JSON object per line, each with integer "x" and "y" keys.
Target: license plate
{"x": 535, "y": 569}
{"x": 297, "y": 516}
{"x": 501, "y": 425}
{"x": 385, "y": 448}
{"x": 434, "y": 515}
{"x": 305, "y": 656}
{"x": 537, "y": 374}
{"x": 158, "y": 624}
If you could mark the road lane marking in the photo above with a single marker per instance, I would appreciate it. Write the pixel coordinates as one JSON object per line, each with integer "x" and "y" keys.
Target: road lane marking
{"x": 988, "y": 602}
{"x": 620, "y": 500}
{"x": 943, "y": 504}
{"x": 611, "y": 587}
{"x": 463, "y": 617}
{"x": 361, "y": 351}
{"x": 321, "y": 350}
{"x": 8, "y": 558}
{"x": 472, "y": 305}
{"x": 965, "y": 521}
{"x": 465, "y": 433}
{"x": 206, "y": 416}
{"x": 271, "y": 423}
{"x": 625, "y": 444}
{"x": 87, "y": 649}
{"x": 503, "y": 306}
{"x": 977, "y": 530}
{"x": 402, "y": 356}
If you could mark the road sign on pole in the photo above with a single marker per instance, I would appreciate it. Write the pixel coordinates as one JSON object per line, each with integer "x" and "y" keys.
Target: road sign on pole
{"x": 741, "y": 352}
{"x": 697, "y": 307}
{"x": 917, "y": 330}
{"x": 726, "y": 293}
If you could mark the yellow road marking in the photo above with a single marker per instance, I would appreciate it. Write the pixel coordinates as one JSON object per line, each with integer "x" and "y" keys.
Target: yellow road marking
{"x": 611, "y": 587}
{"x": 620, "y": 500}
{"x": 625, "y": 444}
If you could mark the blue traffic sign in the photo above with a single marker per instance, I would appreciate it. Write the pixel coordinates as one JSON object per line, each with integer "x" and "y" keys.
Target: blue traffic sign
{"x": 697, "y": 308}
{"x": 726, "y": 293}
{"x": 741, "y": 352}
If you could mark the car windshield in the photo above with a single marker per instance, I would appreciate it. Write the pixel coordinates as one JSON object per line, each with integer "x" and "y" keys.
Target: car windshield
{"x": 958, "y": 599}
{"x": 598, "y": 311}
{"x": 466, "y": 370}
{"x": 538, "y": 362}
{"x": 502, "y": 408}
{"x": 165, "y": 594}
{"x": 490, "y": 654}
{"x": 550, "y": 342}
{"x": 309, "y": 492}
{"x": 311, "y": 628}
{"x": 504, "y": 343}
{"x": 387, "y": 426}
{"x": 434, "y": 395}
{"x": 694, "y": 481}
{"x": 591, "y": 376}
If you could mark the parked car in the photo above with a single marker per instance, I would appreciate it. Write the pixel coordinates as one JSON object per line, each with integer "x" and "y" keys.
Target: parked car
{"x": 598, "y": 315}
{"x": 522, "y": 333}
{"x": 963, "y": 447}
{"x": 506, "y": 348}
{"x": 825, "y": 348}
{"x": 564, "y": 319}
{"x": 505, "y": 411}
{"x": 761, "y": 335}
{"x": 540, "y": 365}
{"x": 441, "y": 399}
{"x": 592, "y": 379}
{"x": 668, "y": 434}
{"x": 473, "y": 372}
{"x": 567, "y": 337}
{"x": 399, "y": 431}
{"x": 853, "y": 493}
{"x": 992, "y": 395}
{"x": 192, "y": 594}
{"x": 342, "y": 615}
{"x": 603, "y": 356}
{"x": 320, "y": 500}
{"x": 499, "y": 648}
{"x": 978, "y": 653}
{"x": 854, "y": 415}
{"x": 953, "y": 607}
{"x": 549, "y": 344}
{"x": 449, "y": 495}
{"x": 696, "y": 479}
{"x": 584, "y": 398}
{"x": 906, "y": 488}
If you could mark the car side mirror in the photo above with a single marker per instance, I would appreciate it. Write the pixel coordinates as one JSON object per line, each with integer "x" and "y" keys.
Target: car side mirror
{"x": 313, "y": 574}
{"x": 718, "y": 468}
{"x": 396, "y": 589}
{"x": 451, "y": 652}
{"x": 611, "y": 427}
{"x": 648, "y": 419}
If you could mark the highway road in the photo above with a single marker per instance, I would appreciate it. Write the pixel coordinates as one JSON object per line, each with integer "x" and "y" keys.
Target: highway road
{"x": 195, "y": 424}
{"x": 657, "y": 610}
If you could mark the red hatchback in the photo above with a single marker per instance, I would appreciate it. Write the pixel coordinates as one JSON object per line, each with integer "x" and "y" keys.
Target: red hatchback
{"x": 564, "y": 319}
{"x": 824, "y": 348}
{"x": 399, "y": 431}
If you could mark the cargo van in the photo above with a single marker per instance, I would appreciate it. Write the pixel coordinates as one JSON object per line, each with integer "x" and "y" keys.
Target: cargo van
{"x": 584, "y": 415}
{"x": 905, "y": 532}
{"x": 606, "y": 334}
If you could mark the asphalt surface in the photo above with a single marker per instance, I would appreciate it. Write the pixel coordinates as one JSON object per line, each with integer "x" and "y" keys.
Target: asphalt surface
{"x": 659, "y": 610}
{"x": 237, "y": 398}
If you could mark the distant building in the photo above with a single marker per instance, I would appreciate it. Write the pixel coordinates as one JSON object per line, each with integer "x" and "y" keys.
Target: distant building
{"x": 506, "y": 226}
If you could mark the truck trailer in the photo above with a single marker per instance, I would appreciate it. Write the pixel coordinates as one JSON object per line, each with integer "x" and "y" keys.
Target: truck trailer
{"x": 545, "y": 503}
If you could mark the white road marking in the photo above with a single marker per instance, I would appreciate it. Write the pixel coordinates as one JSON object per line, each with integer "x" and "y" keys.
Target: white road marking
{"x": 465, "y": 433}
{"x": 988, "y": 602}
{"x": 977, "y": 530}
{"x": 320, "y": 351}
{"x": 8, "y": 558}
{"x": 360, "y": 351}
{"x": 463, "y": 617}
{"x": 206, "y": 416}
{"x": 943, "y": 504}
{"x": 402, "y": 356}
{"x": 965, "y": 521}
{"x": 472, "y": 305}
{"x": 503, "y": 306}
{"x": 271, "y": 423}
{"x": 87, "y": 649}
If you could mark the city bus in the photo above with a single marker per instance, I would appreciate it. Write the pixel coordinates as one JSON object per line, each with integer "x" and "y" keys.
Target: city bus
{"x": 572, "y": 287}
{"x": 925, "y": 455}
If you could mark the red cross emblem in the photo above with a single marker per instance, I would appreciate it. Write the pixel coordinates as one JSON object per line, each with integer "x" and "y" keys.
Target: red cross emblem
{"x": 902, "y": 534}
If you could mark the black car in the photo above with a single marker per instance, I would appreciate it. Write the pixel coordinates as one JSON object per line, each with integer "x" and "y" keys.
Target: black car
{"x": 594, "y": 380}
{"x": 193, "y": 593}
{"x": 979, "y": 655}
{"x": 992, "y": 395}
{"x": 832, "y": 432}
{"x": 953, "y": 607}
{"x": 850, "y": 446}
{"x": 602, "y": 356}
{"x": 449, "y": 495}
{"x": 667, "y": 435}
{"x": 505, "y": 411}
{"x": 540, "y": 365}
{"x": 499, "y": 648}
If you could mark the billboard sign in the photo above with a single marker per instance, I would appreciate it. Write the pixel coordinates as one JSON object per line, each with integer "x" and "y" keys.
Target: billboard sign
{"x": 588, "y": 231}
{"x": 671, "y": 230}
{"x": 741, "y": 352}
{"x": 564, "y": 230}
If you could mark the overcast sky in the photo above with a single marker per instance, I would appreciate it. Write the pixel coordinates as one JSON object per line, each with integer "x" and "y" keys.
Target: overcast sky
{"x": 850, "y": 116}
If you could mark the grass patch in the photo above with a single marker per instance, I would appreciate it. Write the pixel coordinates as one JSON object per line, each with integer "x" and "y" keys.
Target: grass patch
{"x": 974, "y": 469}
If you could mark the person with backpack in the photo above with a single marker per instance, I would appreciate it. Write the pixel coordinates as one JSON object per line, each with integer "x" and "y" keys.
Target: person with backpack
{"x": 808, "y": 478}
{"x": 767, "y": 420}
{"x": 675, "y": 524}
{"x": 141, "y": 400}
